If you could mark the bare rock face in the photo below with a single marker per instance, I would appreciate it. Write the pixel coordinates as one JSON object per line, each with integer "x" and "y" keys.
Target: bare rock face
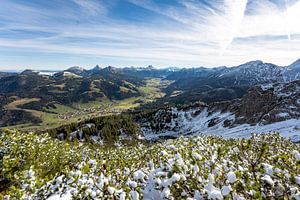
{"x": 270, "y": 104}
{"x": 254, "y": 105}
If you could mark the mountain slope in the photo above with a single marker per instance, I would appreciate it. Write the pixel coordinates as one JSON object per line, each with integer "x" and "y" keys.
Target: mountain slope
{"x": 59, "y": 90}
{"x": 222, "y": 83}
{"x": 262, "y": 109}
{"x": 292, "y": 72}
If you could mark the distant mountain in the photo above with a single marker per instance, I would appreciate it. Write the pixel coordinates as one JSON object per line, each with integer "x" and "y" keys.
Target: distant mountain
{"x": 223, "y": 83}
{"x": 140, "y": 72}
{"x": 95, "y": 70}
{"x": 292, "y": 72}
{"x": 29, "y": 72}
{"x": 72, "y": 71}
{"x": 200, "y": 72}
{"x": 149, "y": 72}
{"x": 4, "y": 74}
{"x": 110, "y": 70}
{"x": 37, "y": 72}
{"x": 250, "y": 73}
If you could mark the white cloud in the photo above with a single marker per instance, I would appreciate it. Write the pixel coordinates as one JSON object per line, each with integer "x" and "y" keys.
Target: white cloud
{"x": 193, "y": 34}
{"x": 91, "y": 7}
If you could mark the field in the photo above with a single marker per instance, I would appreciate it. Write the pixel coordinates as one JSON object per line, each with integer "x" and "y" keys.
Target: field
{"x": 15, "y": 106}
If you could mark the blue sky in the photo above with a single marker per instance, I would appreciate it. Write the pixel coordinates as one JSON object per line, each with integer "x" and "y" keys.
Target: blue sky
{"x": 185, "y": 33}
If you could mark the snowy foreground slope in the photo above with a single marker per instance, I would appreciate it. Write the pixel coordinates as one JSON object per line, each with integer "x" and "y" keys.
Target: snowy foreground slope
{"x": 262, "y": 167}
{"x": 186, "y": 124}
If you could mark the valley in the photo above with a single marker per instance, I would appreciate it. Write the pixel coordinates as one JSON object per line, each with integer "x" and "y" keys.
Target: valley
{"x": 58, "y": 114}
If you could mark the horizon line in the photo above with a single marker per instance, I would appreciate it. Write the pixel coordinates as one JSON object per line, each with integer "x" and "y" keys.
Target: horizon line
{"x": 144, "y": 67}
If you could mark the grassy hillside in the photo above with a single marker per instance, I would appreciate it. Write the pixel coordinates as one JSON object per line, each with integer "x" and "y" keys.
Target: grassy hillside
{"x": 57, "y": 114}
{"x": 40, "y": 97}
{"x": 261, "y": 167}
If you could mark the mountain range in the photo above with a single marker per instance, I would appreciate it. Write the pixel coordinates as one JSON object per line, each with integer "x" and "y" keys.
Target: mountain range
{"x": 249, "y": 73}
{"x": 41, "y": 90}
{"x": 241, "y": 74}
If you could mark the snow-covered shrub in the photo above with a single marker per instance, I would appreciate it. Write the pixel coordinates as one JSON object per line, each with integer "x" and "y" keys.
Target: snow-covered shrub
{"x": 209, "y": 167}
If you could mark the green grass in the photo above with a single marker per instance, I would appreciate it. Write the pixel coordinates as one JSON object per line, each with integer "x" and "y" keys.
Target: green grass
{"x": 126, "y": 103}
{"x": 18, "y": 102}
{"x": 61, "y": 109}
{"x": 153, "y": 89}
{"x": 92, "y": 104}
{"x": 150, "y": 92}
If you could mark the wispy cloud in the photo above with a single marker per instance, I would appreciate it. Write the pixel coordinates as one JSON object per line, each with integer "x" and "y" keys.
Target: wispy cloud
{"x": 91, "y": 7}
{"x": 182, "y": 33}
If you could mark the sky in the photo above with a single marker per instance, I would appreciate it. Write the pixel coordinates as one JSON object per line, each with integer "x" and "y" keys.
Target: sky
{"x": 56, "y": 34}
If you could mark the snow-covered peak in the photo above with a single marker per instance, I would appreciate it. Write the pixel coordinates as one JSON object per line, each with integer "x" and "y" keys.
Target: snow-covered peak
{"x": 295, "y": 64}
{"x": 97, "y": 67}
{"x": 252, "y": 63}
{"x": 111, "y": 69}
{"x": 46, "y": 73}
{"x": 292, "y": 72}
{"x": 69, "y": 74}
{"x": 75, "y": 68}
{"x": 255, "y": 72}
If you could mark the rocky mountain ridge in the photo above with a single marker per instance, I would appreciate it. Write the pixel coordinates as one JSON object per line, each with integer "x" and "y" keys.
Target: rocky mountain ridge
{"x": 263, "y": 71}
{"x": 223, "y": 83}
{"x": 269, "y": 108}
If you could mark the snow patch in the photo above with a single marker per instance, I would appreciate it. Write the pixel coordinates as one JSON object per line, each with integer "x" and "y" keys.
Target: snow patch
{"x": 188, "y": 125}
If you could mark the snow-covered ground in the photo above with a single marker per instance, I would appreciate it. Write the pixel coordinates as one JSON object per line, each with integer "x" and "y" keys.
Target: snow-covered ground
{"x": 189, "y": 125}
{"x": 47, "y": 73}
{"x": 192, "y": 168}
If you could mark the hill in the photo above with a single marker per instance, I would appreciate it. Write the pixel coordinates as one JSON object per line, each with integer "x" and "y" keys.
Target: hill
{"x": 53, "y": 92}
